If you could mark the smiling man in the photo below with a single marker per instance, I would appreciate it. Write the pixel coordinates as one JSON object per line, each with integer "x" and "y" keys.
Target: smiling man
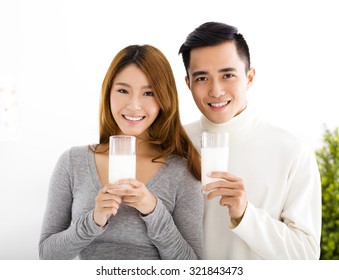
{"x": 219, "y": 80}
{"x": 268, "y": 204}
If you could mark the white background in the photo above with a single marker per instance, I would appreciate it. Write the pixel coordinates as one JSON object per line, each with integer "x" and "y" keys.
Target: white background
{"x": 56, "y": 54}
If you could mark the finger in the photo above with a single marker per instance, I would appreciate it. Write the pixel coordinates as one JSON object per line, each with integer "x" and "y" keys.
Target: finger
{"x": 107, "y": 187}
{"x": 123, "y": 192}
{"x": 133, "y": 182}
{"x": 227, "y": 201}
{"x": 132, "y": 204}
{"x": 219, "y": 192}
{"x": 130, "y": 199}
{"x": 215, "y": 185}
{"x": 223, "y": 175}
{"x": 109, "y": 196}
{"x": 106, "y": 213}
{"x": 117, "y": 187}
{"x": 236, "y": 206}
{"x": 104, "y": 189}
{"x": 229, "y": 190}
{"x": 110, "y": 204}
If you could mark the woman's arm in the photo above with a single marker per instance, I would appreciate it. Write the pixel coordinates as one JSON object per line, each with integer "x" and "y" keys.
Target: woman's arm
{"x": 179, "y": 235}
{"x": 61, "y": 239}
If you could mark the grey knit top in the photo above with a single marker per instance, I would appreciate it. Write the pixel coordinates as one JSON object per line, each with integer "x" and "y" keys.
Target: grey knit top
{"x": 172, "y": 231}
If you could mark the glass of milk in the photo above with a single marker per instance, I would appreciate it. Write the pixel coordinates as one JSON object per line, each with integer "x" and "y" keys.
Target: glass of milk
{"x": 214, "y": 154}
{"x": 122, "y": 158}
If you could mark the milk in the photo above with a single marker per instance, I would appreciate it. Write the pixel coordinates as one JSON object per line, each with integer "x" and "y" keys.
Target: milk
{"x": 213, "y": 159}
{"x": 121, "y": 167}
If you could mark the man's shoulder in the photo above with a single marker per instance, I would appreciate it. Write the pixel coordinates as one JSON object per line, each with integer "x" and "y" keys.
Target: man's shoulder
{"x": 283, "y": 137}
{"x": 192, "y": 127}
{"x": 193, "y": 131}
{"x": 279, "y": 132}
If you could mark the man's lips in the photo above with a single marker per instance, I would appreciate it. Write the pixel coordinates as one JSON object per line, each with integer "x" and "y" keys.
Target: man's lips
{"x": 219, "y": 105}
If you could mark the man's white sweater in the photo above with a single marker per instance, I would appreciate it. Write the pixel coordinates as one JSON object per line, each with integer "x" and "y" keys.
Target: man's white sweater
{"x": 283, "y": 216}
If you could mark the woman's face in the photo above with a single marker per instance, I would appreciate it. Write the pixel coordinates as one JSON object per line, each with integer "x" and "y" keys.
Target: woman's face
{"x": 133, "y": 105}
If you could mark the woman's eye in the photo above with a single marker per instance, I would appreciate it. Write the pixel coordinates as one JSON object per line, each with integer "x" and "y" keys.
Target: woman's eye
{"x": 148, "y": 93}
{"x": 123, "y": 91}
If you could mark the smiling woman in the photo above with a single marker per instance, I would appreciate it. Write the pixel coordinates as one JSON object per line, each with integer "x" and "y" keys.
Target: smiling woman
{"x": 133, "y": 104}
{"x": 160, "y": 215}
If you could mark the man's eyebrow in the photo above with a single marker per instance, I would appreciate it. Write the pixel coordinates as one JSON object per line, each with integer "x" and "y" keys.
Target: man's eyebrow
{"x": 223, "y": 70}
{"x": 198, "y": 73}
{"x": 228, "y": 69}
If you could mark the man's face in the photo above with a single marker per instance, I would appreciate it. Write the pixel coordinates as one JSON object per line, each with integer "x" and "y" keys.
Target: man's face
{"x": 218, "y": 81}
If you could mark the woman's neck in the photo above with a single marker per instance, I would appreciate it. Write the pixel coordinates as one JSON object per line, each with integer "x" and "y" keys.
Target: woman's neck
{"x": 146, "y": 149}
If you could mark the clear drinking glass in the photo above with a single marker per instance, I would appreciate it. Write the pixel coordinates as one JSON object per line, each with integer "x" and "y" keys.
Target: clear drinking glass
{"x": 122, "y": 157}
{"x": 214, "y": 154}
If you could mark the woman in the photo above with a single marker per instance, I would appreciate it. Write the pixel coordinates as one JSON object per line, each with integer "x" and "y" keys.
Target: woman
{"x": 161, "y": 216}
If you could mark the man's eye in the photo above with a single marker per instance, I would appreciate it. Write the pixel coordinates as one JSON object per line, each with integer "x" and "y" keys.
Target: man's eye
{"x": 201, "y": 79}
{"x": 227, "y": 76}
{"x": 148, "y": 93}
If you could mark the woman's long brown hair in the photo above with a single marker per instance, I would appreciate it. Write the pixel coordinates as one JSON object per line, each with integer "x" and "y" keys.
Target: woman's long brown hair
{"x": 166, "y": 132}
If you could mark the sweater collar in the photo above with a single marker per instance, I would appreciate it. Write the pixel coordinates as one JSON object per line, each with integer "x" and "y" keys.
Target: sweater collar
{"x": 239, "y": 127}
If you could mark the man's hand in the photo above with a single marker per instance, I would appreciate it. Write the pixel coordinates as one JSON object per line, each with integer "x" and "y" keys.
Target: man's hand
{"x": 231, "y": 189}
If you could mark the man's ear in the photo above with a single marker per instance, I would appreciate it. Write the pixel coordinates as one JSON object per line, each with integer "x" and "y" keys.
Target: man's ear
{"x": 250, "y": 77}
{"x": 187, "y": 80}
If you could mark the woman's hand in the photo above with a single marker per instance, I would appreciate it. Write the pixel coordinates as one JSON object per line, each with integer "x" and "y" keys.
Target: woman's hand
{"x": 106, "y": 205}
{"x": 135, "y": 194}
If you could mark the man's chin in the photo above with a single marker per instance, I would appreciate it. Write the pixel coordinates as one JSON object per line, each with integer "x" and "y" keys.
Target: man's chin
{"x": 218, "y": 118}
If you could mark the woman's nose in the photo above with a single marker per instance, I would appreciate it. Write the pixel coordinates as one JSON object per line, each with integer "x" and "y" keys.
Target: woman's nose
{"x": 134, "y": 104}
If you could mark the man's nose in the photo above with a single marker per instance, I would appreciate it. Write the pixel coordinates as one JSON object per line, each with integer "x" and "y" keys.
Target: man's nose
{"x": 216, "y": 90}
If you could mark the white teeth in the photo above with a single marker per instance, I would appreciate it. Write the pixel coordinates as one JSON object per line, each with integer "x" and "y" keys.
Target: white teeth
{"x": 134, "y": 119}
{"x": 220, "y": 104}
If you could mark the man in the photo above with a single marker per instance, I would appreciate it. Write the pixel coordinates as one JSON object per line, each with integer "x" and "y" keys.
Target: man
{"x": 268, "y": 204}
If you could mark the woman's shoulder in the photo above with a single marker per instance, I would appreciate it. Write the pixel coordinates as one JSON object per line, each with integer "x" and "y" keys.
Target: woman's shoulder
{"x": 76, "y": 153}
{"x": 181, "y": 177}
{"x": 176, "y": 161}
{"x": 178, "y": 168}
{"x": 80, "y": 150}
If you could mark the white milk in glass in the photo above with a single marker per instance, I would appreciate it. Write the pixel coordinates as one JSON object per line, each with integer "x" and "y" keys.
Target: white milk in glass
{"x": 213, "y": 159}
{"x": 121, "y": 167}
{"x": 122, "y": 158}
{"x": 214, "y": 154}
